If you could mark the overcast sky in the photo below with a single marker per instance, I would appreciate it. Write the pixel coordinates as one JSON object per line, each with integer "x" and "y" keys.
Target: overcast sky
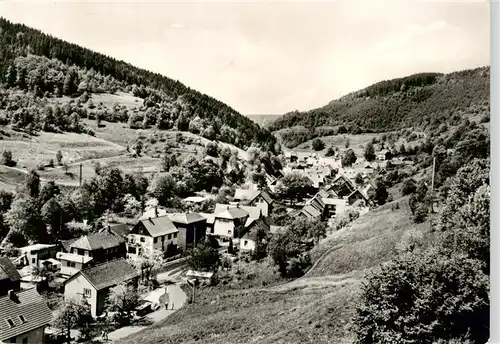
{"x": 271, "y": 58}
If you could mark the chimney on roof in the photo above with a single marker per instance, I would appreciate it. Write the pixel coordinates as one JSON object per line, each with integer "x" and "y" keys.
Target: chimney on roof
{"x": 13, "y": 296}
{"x": 156, "y": 211}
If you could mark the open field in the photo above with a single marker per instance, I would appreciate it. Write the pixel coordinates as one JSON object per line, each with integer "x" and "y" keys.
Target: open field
{"x": 317, "y": 308}
{"x": 155, "y": 140}
{"x": 40, "y": 149}
{"x": 108, "y": 148}
{"x": 109, "y": 100}
{"x": 126, "y": 163}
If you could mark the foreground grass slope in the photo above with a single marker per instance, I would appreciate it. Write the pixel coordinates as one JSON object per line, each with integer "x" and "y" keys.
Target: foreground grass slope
{"x": 317, "y": 308}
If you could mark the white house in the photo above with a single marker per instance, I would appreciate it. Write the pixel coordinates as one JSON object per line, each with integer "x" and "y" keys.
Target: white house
{"x": 71, "y": 263}
{"x": 151, "y": 234}
{"x": 93, "y": 283}
{"x": 228, "y": 220}
{"x": 248, "y": 241}
{"x": 335, "y": 206}
{"x": 263, "y": 201}
{"x": 24, "y": 315}
{"x": 33, "y": 254}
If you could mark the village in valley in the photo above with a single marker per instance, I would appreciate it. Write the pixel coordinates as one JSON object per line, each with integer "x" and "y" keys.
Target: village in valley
{"x": 136, "y": 209}
{"x": 150, "y": 254}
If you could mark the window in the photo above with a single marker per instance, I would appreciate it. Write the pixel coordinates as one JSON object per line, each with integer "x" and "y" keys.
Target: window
{"x": 33, "y": 260}
{"x": 25, "y": 340}
{"x": 11, "y": 323}
{"x": 73, "y": 264}
{"x": 87, "y": 292}
{"x": 169, "y": 236}
{"x": 156, "y": 240}
{"x": 162, "y": 238}
{"x": 23, "y": 320}
{"x": 245, "y": 243}
{"x": 229, "y": 232}
{"x": 175, "y": 235}
{"x": 143, "y": 239}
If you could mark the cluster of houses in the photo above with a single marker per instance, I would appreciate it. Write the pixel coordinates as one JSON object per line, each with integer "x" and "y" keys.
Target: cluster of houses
{"x": 89, "y": 266}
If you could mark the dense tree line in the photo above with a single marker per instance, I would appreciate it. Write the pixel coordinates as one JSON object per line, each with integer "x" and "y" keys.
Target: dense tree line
{"x": 47, "y": 66}
{"x": 417, "y": 101}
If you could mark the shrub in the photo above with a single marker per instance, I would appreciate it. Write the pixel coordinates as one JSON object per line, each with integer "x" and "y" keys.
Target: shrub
{"x": 330, "y": 152}
{"x": 423, "y": 298}
{"x": 7, "y": 159}
{"x": 318, "y": 145}
{"x": 409, "y": 187}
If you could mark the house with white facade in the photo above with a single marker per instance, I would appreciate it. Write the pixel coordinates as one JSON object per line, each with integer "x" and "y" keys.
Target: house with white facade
{"x": 71, "y": 263}
{"x": 151, "y": 234}
{"x": 33, "y": 254}
{"x": 249, "y": 240}
{"x": 231, "y": 220}
{"x": 94, "y": 283}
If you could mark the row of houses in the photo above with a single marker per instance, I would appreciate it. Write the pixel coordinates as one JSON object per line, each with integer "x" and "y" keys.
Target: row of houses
{"x": 337, "y": 198}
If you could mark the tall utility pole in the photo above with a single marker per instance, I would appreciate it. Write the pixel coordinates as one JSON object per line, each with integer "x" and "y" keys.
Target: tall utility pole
{"x": 80, "y": 174}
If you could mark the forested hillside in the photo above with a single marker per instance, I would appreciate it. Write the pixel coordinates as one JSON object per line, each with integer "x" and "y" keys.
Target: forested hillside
{"x": 38, "y": 70}
{"x": 417, "y": 101}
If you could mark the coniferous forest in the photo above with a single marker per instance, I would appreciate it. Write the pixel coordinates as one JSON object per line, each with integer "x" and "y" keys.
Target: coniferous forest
{"x": 35, "y": 67}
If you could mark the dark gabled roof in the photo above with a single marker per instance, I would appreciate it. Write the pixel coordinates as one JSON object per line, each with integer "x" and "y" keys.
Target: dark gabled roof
{"x": 108, "y": 274}
{"x": 252, "y": 233}
{"x": 121, "y": 229}
{"x": 66, "y": 244}
{"x": 158, "y": 226}
{"x": 264, "y": 195}
{"x": 186, "y": 218}
{"x": 311, "y": 212}
{"x": 103, "y": 239}
{"x": 358, "y": 191}
{"x": 8, "y": 270}
{"x": 226, "y": 211}
{"x": 28, "y": 304}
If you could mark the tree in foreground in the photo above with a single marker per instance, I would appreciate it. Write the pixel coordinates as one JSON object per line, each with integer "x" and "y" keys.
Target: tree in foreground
{"x": 381, "y": 193}
{"x": 203, "y": 258}
{"x": 123, "y": 299}
{"x": 423, "y": 299}
{"x": 438, "y": 294}
{"x": 74, "y": 314}
{"x": 147, "y": 262}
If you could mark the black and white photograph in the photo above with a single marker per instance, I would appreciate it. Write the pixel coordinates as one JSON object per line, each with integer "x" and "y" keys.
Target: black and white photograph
{"x": 241, "y": 172}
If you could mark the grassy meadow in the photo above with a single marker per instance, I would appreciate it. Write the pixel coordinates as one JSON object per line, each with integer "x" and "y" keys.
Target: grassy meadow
{"x": 317, "y": 308}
